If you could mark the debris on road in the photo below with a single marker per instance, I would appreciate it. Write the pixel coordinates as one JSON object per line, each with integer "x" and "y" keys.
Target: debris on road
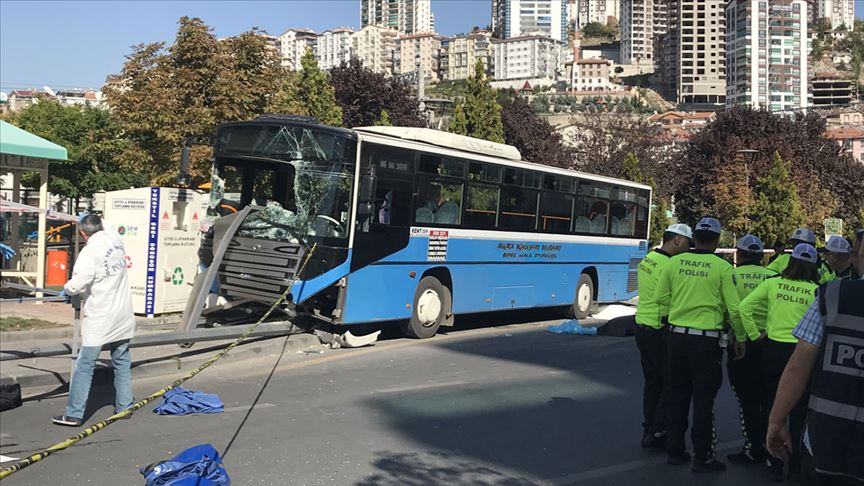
{"x": 346, "y": 340}
{"x": 572, "y": 327}
{"x": 181, "y": 401}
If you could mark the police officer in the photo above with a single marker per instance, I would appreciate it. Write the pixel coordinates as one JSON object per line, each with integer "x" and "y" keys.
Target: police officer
{"x": 744, "y": 374}
{"x": 838, "y": 255}
{"x": 785, "y": 299}
{"x": 833, "y": 443}
{"x": 697, "y": 288}
{"x": 801, "y": 235}
{"x": 651, "y": 335}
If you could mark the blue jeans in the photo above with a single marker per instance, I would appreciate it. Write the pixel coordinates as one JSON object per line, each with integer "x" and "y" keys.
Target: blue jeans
{"x": 79, "y": 387}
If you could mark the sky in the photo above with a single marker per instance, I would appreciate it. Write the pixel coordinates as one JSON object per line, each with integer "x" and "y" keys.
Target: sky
{"x": 76, "y": 44}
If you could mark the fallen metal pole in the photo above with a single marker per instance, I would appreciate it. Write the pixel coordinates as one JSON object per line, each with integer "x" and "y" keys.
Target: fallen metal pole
{"x": 267, "y": 329}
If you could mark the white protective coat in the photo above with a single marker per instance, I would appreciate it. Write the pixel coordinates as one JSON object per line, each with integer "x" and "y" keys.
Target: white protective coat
{"x": 101, "y": 279}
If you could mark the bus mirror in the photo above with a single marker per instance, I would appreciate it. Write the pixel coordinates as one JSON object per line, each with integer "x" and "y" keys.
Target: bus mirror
{"x": 365, "y": 209}
{"x": 367, "y": 189}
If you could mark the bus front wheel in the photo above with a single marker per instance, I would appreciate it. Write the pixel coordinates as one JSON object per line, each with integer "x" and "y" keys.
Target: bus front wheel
{"x": 432, "y": 303}
{"x": 584, "y": 297}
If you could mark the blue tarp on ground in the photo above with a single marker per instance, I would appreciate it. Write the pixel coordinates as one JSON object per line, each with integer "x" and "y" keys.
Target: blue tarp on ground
{"x": 181, "y": 401}
{"x": 196, "y": 466}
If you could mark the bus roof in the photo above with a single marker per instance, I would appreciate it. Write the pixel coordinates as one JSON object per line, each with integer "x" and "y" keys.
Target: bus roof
{"x": 420, "y": 135}
{"x": 449, "y": 140}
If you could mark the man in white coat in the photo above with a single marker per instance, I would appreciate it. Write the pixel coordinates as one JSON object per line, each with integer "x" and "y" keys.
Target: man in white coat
{"x": 100, "y": 279}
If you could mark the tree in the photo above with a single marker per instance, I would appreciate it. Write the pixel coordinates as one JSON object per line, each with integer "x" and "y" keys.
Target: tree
{"x": 660, "y": 206}
{"x": 99, "y": 158}
{"x": 827, "y": 180}
{"x": 309, "y": 92}
{"x": 776, "y": 210}
{"x": 596, "y": 29}
{"x": 731, "y": 192}
{"x": 536, "y": 140}
{"x": 482, "y": 111}
{"x": 384, "y": 119}
{"x": 459, "y": 125}
{"x": 363, "y": 93}
{"x": 164, "y": 95}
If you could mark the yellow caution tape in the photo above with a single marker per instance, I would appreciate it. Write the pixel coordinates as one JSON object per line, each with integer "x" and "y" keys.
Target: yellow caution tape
{"x": 34, "y": 458}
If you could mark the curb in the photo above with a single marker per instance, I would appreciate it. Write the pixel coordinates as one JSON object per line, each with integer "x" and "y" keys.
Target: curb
{"x": 173, "y": 363}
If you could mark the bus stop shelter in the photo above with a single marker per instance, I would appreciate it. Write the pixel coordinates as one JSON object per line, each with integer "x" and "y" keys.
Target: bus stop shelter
{"x": 21, "y": 152}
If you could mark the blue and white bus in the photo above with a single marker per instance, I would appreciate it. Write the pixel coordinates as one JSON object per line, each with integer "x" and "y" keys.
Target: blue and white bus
{"x": 416, "y": 225}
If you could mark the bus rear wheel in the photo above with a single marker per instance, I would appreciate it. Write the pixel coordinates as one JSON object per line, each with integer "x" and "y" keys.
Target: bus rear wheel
{"x": 432, "y": 305}
{"x": 584, "y": 297}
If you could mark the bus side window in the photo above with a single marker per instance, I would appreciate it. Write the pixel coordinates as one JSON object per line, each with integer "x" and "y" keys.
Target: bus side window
{"x": 392, "y": 205}
{"x": 623, "y": 212}
{"x": 437, "y": 201}
{"x": 592, "y": 208}
{"x": 642, "y": 206}
{"x": 556, "y": 212}
{"x": 518, "y": 209}
{"x": 481, "y": 207}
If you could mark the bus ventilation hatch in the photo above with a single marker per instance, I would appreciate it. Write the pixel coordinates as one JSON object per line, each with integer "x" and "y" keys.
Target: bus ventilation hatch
{"x": 632, "y": 274}
{"x": 258, "y": 269}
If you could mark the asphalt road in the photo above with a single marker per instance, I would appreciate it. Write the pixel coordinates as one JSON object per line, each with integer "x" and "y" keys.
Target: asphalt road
{"x": 511, "y": 405}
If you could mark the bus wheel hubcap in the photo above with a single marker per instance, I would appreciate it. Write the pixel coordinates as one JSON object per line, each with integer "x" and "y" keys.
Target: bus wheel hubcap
{"x": 428, "y": 306}
{"x": 583, "y": 298}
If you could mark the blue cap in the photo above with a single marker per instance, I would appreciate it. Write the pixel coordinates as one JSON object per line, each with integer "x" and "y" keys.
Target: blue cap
{"x": 838, "y": 244}
{"x": 708, "y": 224}
{"x": 751, "y": 243}
{"x": 805, "y": 252}
{"x": 805, "y": 235}
{"x": 83, "y": 215}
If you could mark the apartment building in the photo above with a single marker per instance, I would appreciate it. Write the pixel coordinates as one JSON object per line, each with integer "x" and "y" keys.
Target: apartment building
{"x": 293, "y": 45}
{"x": 404, "y": 16}
{"x": 701, "y": 53}
{"x": 766, "y": 54}
{"x": 334, "y": 47}
{"x": 833, "y": 14}
{"x": 531, "y": 56}
{"x": 419, "y": 52}
{"x": 459, "y": 54}
{"x": 547, "y": 18}
{"x": 375, "y": 47}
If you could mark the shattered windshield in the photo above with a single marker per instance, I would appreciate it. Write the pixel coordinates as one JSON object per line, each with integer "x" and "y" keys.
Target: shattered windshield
{"x": 305, "y": 193}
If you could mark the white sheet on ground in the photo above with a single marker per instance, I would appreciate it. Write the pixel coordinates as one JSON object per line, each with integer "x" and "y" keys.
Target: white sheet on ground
{"x": 614, "y": 311}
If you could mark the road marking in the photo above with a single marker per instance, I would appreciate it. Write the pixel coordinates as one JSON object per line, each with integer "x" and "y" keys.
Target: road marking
{"x": 623, "y": 467}
{"x": 243, "y": 408}
{"x": 426, "y": 386}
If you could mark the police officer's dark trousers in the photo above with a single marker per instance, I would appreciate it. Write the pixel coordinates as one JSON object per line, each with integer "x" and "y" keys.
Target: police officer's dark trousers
{"x": 695, "y": 373}
{"x": 745, "y": 376}
{"x": 655, "y": 365}
{"x": 775, "y": 355}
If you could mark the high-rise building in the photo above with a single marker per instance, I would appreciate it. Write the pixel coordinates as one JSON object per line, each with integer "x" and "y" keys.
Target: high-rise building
{"x": 375, "y": 47}
{"x": 334, "y": 47}
{"x": 419, "y": 52}
{"x": 637, "y": 31}
{"x": 461, "y": 54}
{"x": 547, "y": 18}
{"x": 404, "y": 16}
{"x": 766, "y": 54}
{"x": 584, "y": 12}
{"x": 531, "y": 56}
{"x": 701, "y": 53}
{"x": 497, "y": 22}
{"x": 293, "y": 44}
{"x": 834, "y": 13}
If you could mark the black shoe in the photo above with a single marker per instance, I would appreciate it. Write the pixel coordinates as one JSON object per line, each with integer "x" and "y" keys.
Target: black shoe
{"x": 711, "y": 465}
{"x": 746, "y": 458}
{"x": 67, "y": 421}
{"x": 678, "y": 459}
{"x": 651, "y": 441}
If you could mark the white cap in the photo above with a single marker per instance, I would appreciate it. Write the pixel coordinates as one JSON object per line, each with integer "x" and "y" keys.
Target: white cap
{"x": 838, "y": 244}
{"x": 805, "y": 252}
{"x": 804, "y": 235}
{"x": 751, "y": 243}
{"x": 680, "y": 229}
{"x": 708, "y": 224}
